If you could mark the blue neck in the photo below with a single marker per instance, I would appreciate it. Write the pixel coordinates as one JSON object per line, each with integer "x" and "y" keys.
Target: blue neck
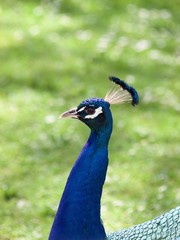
{"x": 78, "y": 215}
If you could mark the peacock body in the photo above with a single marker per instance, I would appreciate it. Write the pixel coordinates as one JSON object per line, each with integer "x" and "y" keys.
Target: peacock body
{"x": 164, "y": 227}
{"x": 79, "y": 213}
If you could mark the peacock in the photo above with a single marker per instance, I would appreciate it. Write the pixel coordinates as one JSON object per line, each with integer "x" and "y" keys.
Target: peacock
{"x": 79, "y": 213}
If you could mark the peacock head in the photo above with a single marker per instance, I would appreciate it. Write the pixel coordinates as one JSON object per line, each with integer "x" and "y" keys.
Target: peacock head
{"x": 95, "y": 112}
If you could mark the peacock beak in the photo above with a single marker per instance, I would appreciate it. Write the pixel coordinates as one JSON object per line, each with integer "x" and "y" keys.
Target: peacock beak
{"x": 72, "y": 113}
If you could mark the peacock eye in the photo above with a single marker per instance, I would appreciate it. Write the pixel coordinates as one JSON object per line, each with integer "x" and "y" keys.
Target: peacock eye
{"x": 90, "y": 111}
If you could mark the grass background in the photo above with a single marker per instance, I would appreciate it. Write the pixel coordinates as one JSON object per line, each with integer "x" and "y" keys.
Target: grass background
{"x": 53, "y": 55}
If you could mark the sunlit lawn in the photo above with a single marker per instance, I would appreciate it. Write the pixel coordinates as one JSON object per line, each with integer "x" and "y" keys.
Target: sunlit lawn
{"x": 53, "y": 55}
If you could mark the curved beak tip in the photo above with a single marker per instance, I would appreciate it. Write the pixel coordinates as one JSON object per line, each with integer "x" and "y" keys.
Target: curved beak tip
{"x": 72, "y": 113}
{"x": 61, "y": 116}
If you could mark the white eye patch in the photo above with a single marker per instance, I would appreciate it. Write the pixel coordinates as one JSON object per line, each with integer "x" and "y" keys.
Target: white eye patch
{"x": 81, "y": 109}
{"x": 97, "y": 112}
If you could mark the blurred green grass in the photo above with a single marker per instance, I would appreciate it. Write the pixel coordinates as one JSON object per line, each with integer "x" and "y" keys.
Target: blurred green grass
{"x": 53, "y": 55}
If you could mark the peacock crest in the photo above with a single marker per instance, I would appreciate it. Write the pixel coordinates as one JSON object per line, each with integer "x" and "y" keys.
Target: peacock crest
{"x": 124, "y": 93}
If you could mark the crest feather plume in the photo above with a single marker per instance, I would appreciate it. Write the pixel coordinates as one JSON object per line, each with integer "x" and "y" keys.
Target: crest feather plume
{"x": 124, "y": 93}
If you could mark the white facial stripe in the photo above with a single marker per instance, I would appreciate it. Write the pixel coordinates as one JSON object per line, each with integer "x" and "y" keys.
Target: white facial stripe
{"x": 81, "y": 109}
{"x": 97, "y": 112}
